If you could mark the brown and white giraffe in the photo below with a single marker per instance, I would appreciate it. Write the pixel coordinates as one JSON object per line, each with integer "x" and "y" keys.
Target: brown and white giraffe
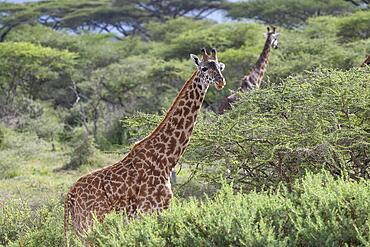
{"x": 140, "y": 181}
{"x": 254, "y": 78}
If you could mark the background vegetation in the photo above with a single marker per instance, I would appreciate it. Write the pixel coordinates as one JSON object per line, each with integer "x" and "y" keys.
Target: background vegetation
{"x": 80, "y": 82}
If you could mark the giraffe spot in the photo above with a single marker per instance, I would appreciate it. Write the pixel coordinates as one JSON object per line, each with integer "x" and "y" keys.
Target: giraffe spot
{"x": 161, "y": 165}
{"x": 177, "y": 133}
{"x": 164, "y": 138}
{"x": 169, "y": 129}
{"x": 156, "y": 172}
{"x": 191, "y": 95}
{"x": 130, "y": 192}
{"x": 181, "y": 103}
{"x": 147, "y": 146}
{"x": 175, "y": 121}
{"x": 180, "y": 124}
{"x": 171, "y": 146}
{"x": 197, "y": 95}
{"x": 178, "y": 111}
{"x": 194, "y": 108}
{"x": 143, "y": 190}
{"x": 189, "y": 104}
{"x": 149, "y": 154}
{"x": 160, "y": 147}
{"x": 182, "y": 137}
{"x": 186, "y": 111}
{"x": 158, "y": 195}
{"x": 171, "y": 160}
{"x": 142, "y": 176}
{"x": 164, "y": 173}
{"x": 189, "y": 121}
{"x": 151, "y": 200}
{"x": 151, "y": 188}
{"x": 150, "y": 180}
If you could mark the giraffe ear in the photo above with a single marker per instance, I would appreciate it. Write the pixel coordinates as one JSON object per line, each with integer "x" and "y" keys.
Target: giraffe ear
{"x": 195, "y": 59}
{"x": 222, "y": 66}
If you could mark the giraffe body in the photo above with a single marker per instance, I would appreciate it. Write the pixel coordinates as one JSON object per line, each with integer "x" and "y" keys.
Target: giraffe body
{"x": 140, "y": 182}
{"x": 254, "y": 78}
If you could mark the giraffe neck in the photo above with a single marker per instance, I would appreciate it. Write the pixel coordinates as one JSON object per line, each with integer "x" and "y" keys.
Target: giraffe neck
{"x": 162, "y": 149}
{"x": 254, "y": 78}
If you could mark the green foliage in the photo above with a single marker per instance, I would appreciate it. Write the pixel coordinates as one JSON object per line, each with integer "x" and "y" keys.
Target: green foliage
{"x": 320, "y": 211}
{"x": 19, "y": 111}
{"x": 291, "y": 13}
{"x": 356, "y": 26}
{"x": 33, "y": 57}
{"x": 27, "y": 67}
{"x": 221, "y": 36}
{"x": 317, "y": 120}
{"x": 81, "y": 154}
{"x": 114, "y": 136}
{"x": 65, "y": 88}
{"x": 15, "y": 218}
{"x": 317, "y": 44}
{"x": 20, "y": 225}
{"x": 123, "y": 16}
{"x": 140, "y": 125}
{"x": 21, "y": 152}
{"x": 172, "y": 28}
{"x": 46, "y": 228}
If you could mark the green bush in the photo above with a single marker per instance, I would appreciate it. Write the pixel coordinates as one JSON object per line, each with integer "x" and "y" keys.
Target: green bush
{"x": 321, "y": 211}
{"x": 159, "y": 31}
{"x": 317, "y": 120}
{"x": 15, "y": 220}
{"x": 81, "y": 154}
{"x": 221, "y": 36}
{"x": 355, "y": 26}
{"x": 314, "y": 121}
{"x": 46, "y": 228}
{"x": 24, "y": 225}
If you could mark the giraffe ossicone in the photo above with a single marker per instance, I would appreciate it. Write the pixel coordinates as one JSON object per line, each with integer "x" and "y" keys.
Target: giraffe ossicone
{"x": 140, "y": 182}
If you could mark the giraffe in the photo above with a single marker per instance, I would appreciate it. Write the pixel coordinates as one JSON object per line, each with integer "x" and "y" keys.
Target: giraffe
{"x": 254, "y": 78}
{"x": 140, "y": 182}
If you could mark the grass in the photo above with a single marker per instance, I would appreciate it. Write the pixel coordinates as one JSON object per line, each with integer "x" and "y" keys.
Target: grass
{"x": 30, "y": 168}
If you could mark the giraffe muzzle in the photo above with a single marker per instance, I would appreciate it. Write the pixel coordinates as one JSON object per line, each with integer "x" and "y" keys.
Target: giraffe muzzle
{"x": 220, "y": 84}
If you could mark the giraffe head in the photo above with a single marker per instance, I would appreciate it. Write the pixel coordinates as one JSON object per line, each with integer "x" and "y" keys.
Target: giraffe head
{"x": 272, "y": 36}
{"x": 209, "y": 69}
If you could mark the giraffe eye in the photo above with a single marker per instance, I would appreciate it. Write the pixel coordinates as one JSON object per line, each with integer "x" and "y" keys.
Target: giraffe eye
{"x": 204, "y": 69}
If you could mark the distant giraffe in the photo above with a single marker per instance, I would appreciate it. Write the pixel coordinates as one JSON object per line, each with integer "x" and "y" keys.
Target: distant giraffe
{"x": 366, "y": 62}
{"x": 254, "y": 78}
{"x": 140, "y": 181}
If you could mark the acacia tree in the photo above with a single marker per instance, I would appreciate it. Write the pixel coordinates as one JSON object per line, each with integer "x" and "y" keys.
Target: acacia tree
{"x": 289, "y": 13}
{"x": 25, "y": 68}
{"x": 122, "y": 17}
